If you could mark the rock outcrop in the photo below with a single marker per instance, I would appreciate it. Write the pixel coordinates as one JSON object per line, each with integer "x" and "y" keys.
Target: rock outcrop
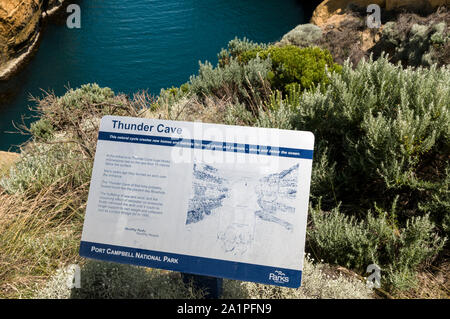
{"x": 334, "y": 11}
{"x": 20, "y": 22}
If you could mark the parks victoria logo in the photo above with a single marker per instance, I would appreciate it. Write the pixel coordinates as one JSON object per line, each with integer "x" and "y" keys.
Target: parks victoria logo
{"x": 279, "y": 277}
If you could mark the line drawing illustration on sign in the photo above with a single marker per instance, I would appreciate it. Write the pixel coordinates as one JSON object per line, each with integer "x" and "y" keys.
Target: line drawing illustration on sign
{"x": 275, "y": 195}
{"x": 238, "y": 199}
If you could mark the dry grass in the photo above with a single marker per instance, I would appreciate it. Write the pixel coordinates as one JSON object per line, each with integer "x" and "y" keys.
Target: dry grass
{"x": 7, "y": 159}
{"x": 43, "y": 203}
{"x": 433, "y": 283}
{"x": 38, "y": 234}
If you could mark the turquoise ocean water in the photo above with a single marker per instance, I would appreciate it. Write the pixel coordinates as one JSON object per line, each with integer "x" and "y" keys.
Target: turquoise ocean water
{"x": 141, "y": 44}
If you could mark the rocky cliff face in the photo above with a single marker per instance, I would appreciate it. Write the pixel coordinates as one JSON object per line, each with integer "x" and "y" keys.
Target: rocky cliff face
{"x": 331, "y": 10}
{"x": 19, "y": 30}
{"x": 19, "y": 21}
{"x": 7, "y": 159}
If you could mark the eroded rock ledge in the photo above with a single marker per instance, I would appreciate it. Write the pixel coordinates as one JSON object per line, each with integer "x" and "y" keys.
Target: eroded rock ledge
{"x": 20, "y": 25}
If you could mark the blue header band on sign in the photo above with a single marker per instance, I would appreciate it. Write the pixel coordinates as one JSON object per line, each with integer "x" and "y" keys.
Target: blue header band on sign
{"x": 206, "y": 145}
{"x": 192, "y": 264}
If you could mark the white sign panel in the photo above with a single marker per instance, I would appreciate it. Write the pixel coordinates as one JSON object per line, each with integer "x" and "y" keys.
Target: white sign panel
{"x": 208, "y": 199}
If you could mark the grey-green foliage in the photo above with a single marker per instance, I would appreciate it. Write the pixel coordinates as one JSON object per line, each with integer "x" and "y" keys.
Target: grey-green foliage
{"x": 303, "y": 35}
{"x": 233, "y": 79}
{"x": 238, "y": 114}
{"x": 382, "y": 126}
{"x": 439, "y": 203}
{"x": 68, "y": 123}
{"x": 108, "y": 280}
{"x": 418, "y": 46}
{"x": 169, "y": 97}
{"x": 83, "y": 98}
{"x": 41, "y": 165}
{"x": 319, "y": 281}
{"x": 42, "y": 129}
{"x": 344, "y": 240}
{"x": 87, "y": 94}
{"x": 105, "y": 280}
{"x": 381, "y": 132}
{"x": 63, "y": 112}
{"x": 236, "y": 47}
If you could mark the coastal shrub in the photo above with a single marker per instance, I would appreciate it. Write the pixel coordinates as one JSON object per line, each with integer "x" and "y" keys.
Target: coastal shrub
{"x": 386, "y": 132}
{"x": 42, "y": 129}
{"x": 68, "y": 108}
{"x": 415, "y": 41}
{"x": 74, "y": 117}
{"x": 319, "y": 281}
{"x": 382, "y": 150}
{"x": 439, "y": 203}
{"x": 303, "y": 35}
{"x": 235, "y": 81}
{"x": 236, "y": 48}
{"x": 104, "y": 280}
{"x": 382, "y": 132}
{"x": 64, "y": 139}
{"x": 292, "y": 66}
{"x": 238, "y": 114}
{"x": 353, "y": 243}
{"x": 43, "y": 198}
{"x": 170, "y": 97}
{"x": 41, "y": 165}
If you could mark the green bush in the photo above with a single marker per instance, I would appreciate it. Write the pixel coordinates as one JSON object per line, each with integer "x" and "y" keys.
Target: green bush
{"x": 103, "y": 280}
{"x": 386, "y": 132}
{"x": 303, "y": 35}
{"x": 233, "y": 80}
{"x": 42, "y": 129}
{"x": 76, "y": 101}
{"x": 355, "y": 244}
{"x": 382, "y": 145}
{"x": 295, "y": 67}
{"x": 64, "y": 139}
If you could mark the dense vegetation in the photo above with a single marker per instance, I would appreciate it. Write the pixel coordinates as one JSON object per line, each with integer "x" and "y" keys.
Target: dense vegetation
{"x": 380, "y": 178}
{"x": 409, "y": 38}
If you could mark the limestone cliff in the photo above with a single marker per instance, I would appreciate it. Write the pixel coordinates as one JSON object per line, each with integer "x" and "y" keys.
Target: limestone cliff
{"x": 19, "y": 21}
